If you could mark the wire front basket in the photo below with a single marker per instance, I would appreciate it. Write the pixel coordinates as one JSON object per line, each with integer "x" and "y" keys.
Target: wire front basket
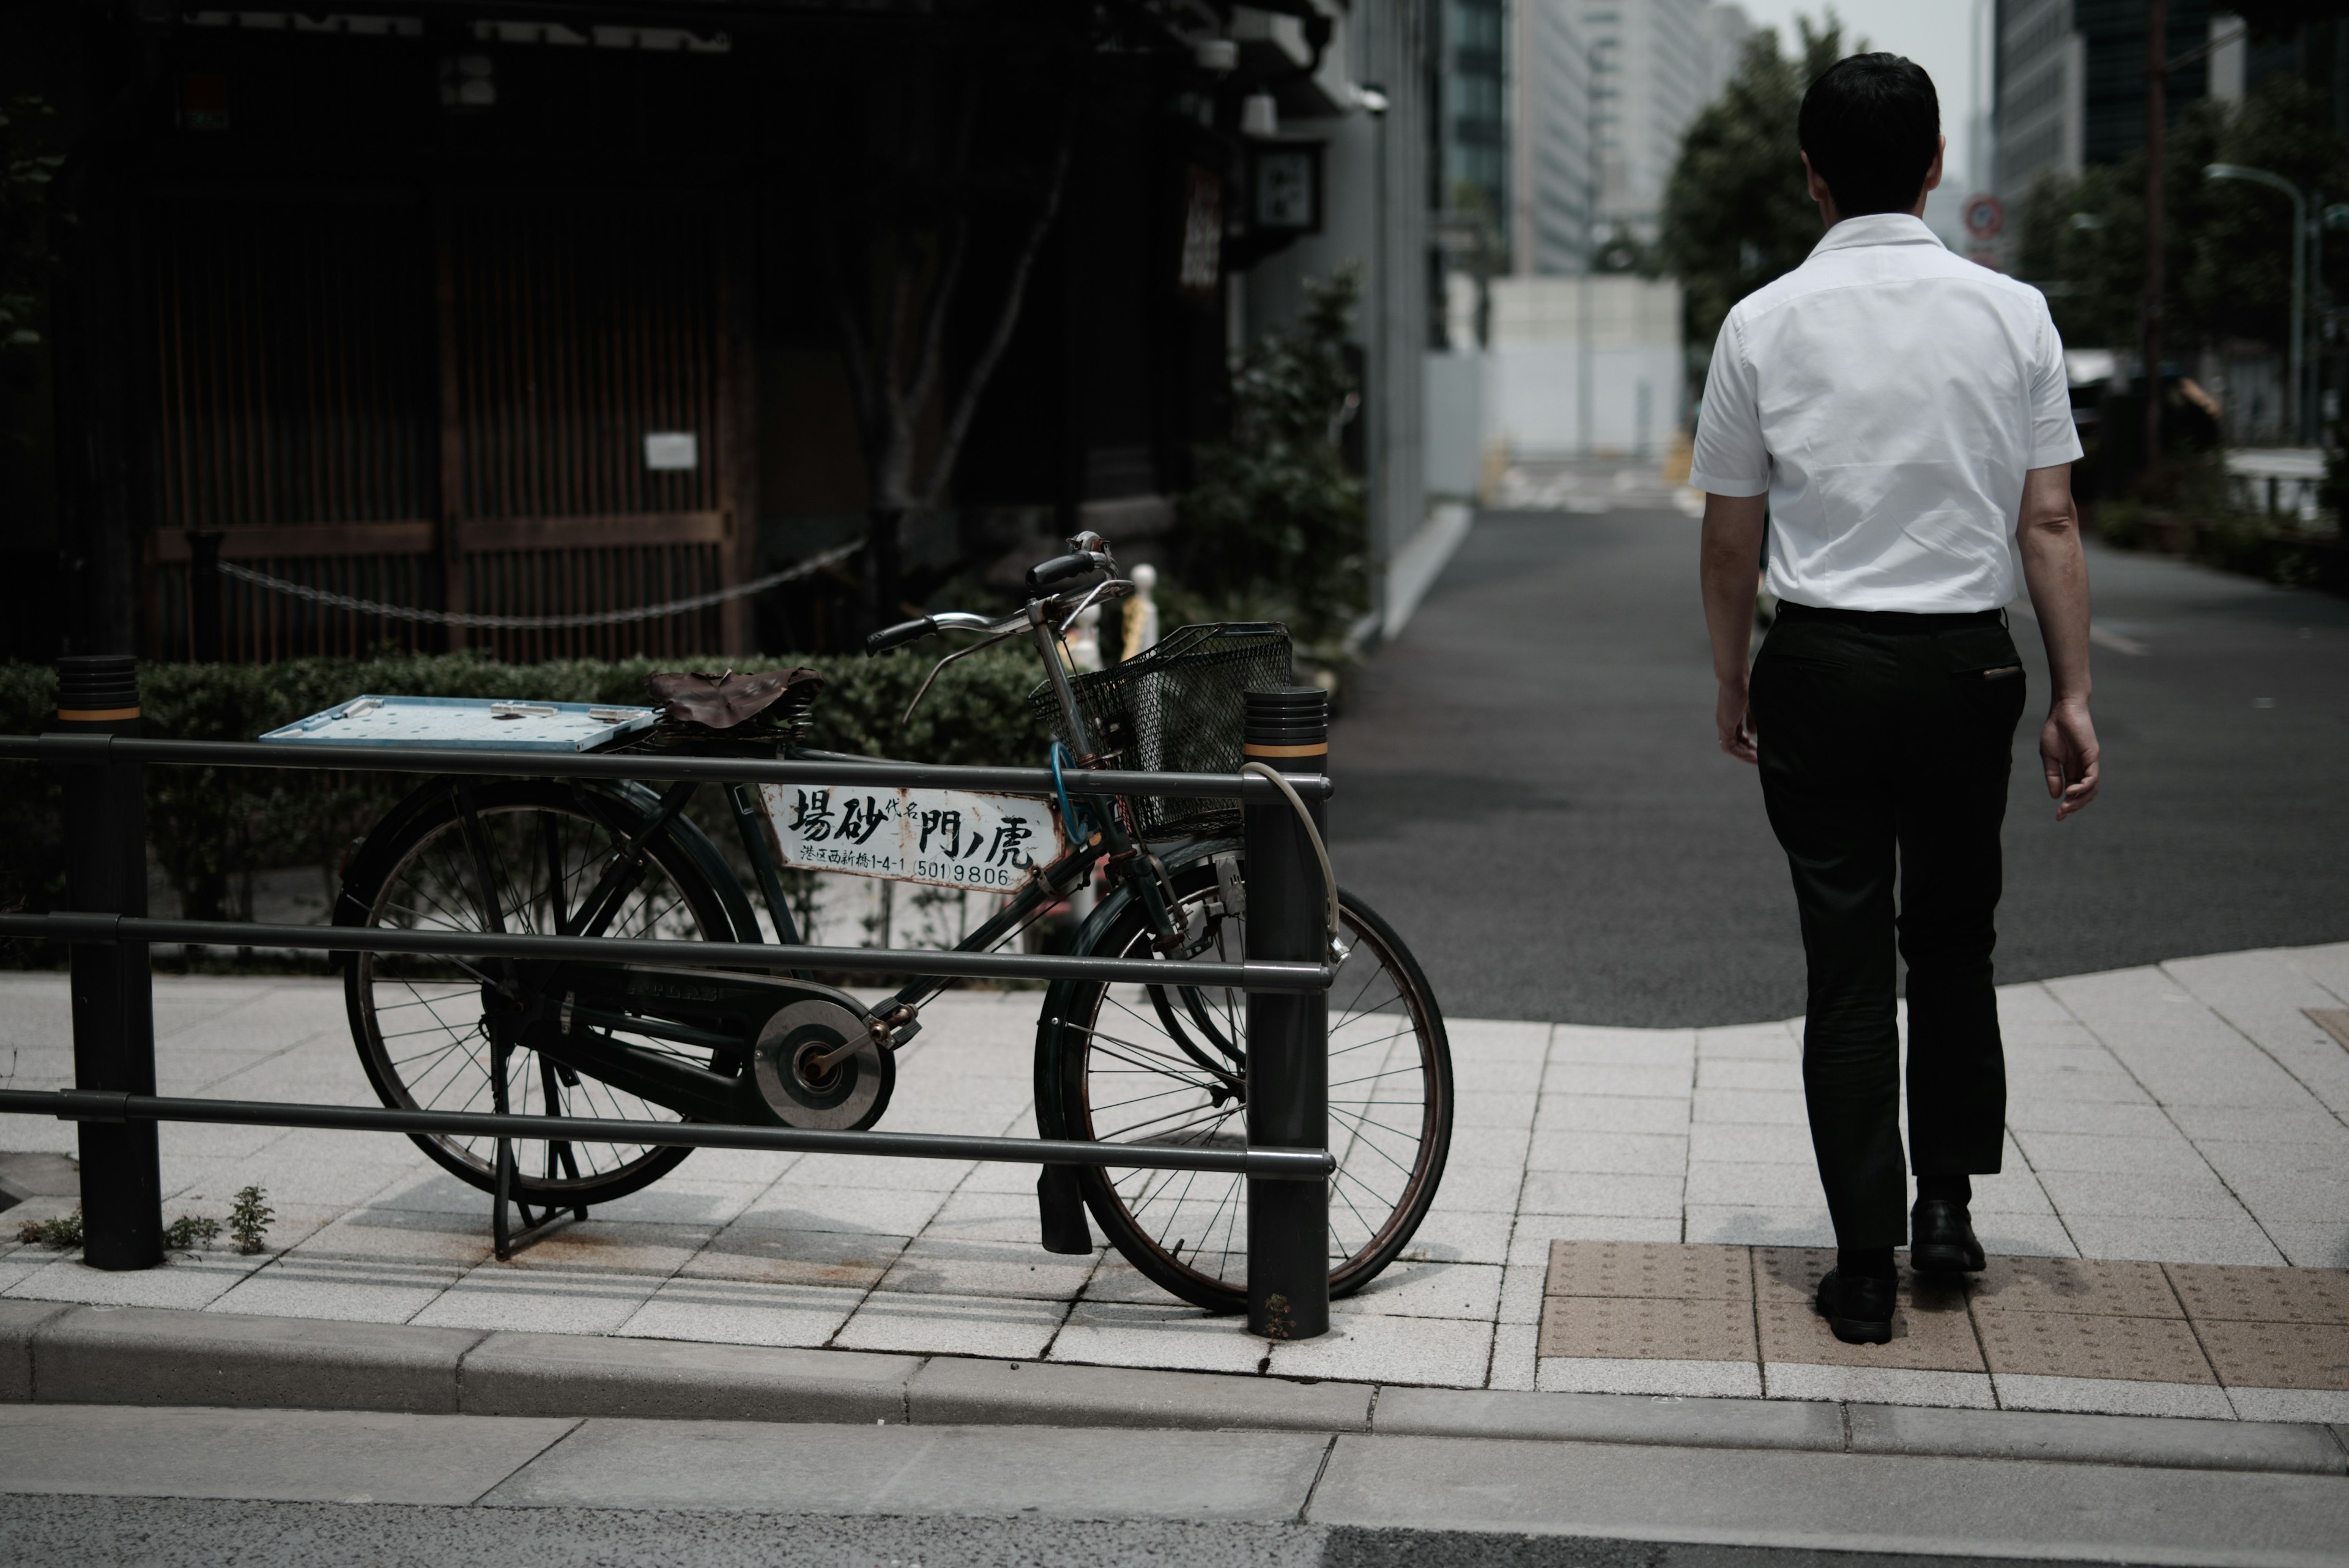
{"x": 1178, "y": 708}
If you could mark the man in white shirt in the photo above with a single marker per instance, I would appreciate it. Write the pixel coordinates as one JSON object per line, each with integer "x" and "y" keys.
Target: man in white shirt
{"x": 1895, "y": 422}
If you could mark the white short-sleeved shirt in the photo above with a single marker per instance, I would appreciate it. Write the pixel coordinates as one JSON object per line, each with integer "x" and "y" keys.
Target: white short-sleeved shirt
{"x": 1890, "y": 396}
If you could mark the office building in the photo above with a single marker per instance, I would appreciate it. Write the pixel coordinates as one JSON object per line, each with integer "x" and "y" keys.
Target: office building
{"x": 1552, "y": 177}
{"x": 1652, "y": 69}
{"x": 2069, "y": 83}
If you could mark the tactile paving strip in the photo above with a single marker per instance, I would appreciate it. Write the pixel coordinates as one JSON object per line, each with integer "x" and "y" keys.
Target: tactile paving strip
{"x": 1930, "y": 1330}
{"x": 2233, "y": 1293}
{"x": 2278, "y": 1355}
{"x": 1660, "y": 1270}
{"x": 2097, "y": 1287}
{"x": 1646, "y": 1329}
{"x": 2077, "y": 1345}
{"x": 2333, "y": 1020}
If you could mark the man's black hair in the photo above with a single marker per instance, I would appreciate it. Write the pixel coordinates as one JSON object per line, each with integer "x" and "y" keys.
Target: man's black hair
{"x": 1872, "y": 124}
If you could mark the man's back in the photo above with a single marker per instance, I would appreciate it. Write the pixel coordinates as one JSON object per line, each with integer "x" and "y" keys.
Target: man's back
{"x": 1890, "y": 397}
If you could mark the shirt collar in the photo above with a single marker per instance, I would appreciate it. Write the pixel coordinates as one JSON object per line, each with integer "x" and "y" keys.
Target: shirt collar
{"x": 1876, "y": 229}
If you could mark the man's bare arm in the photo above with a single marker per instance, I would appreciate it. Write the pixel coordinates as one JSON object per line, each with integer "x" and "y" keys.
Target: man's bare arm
{"x": 2057, "y": 572}
{"x": 1729, "y": 570}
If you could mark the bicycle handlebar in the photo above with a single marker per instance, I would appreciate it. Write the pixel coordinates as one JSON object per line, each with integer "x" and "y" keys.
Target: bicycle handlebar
{"x": 898, "y": 636}
{"x": 1060, "y": 568}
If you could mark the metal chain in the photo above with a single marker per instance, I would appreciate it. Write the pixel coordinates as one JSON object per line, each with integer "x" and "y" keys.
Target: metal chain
{"x": 808, "y": 567}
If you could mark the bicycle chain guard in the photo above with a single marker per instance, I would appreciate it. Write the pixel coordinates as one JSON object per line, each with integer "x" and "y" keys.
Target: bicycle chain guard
{"x": 802, "y": 1087}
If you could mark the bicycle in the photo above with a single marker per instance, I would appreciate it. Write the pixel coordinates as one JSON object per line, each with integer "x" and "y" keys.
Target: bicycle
{"x": 1164, "y": 1063}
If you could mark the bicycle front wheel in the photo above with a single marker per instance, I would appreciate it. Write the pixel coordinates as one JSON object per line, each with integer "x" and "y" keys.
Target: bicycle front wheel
{"x": 1118, "y": 1065}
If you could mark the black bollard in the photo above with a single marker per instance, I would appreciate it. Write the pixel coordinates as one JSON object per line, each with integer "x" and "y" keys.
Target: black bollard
{"x": 1288, "y": 1035}
{"x": 113, "y": 1000}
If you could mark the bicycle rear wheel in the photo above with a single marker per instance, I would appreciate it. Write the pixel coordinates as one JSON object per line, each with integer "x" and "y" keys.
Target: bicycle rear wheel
{"x": 421, "y": 1023}
{"x": 1113, "y": 1066}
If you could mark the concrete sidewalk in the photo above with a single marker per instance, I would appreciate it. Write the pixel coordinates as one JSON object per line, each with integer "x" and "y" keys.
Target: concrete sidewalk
{"x": 2185, "y": 1115}
{"x": 378, "y": 1487}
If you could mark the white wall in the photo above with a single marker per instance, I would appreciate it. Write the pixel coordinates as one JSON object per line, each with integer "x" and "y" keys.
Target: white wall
{"x": 1526, "y": 390}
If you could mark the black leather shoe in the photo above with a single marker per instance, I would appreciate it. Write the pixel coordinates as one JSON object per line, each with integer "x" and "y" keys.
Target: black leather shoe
{"x": 1941, "y": 1239}
{"x": 1860, "y": 1311}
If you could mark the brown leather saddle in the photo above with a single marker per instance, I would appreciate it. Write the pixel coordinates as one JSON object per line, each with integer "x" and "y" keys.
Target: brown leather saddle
{"x": 735, "y": 703}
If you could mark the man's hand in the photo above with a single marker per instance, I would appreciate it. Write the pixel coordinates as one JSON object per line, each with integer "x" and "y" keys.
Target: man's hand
{"x": 1730, "y": 546}
{"x": 2068, "y": 751}
{"x": 2047, "y": 536}
{"x": 1734, "y": 719}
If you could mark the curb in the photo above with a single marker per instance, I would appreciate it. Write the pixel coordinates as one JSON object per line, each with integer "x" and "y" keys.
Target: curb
{"x": 57, "y": 1352}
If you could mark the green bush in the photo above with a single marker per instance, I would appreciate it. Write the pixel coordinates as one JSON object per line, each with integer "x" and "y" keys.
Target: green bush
{"x": 211, "y": 828}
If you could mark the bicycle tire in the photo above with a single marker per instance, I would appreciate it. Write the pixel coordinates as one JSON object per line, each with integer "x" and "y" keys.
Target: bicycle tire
{"x": 425, "y": 828}
{"x": 1142, "y": 1212}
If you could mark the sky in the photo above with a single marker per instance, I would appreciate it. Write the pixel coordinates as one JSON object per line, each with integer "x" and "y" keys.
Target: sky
{"x": 1936, "y": 34}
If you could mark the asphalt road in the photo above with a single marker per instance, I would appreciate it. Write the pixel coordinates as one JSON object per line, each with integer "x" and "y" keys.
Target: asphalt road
{"x": 1528, "y": 785}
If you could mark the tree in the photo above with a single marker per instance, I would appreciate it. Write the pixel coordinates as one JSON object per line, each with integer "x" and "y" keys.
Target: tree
{"x": 1276, "y": 515}
{"x": 2226, "y": 244}
{"x": 1736, "y": 214}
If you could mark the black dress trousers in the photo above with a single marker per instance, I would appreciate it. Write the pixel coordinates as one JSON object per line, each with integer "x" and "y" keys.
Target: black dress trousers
{"x": 1885, "y": 743}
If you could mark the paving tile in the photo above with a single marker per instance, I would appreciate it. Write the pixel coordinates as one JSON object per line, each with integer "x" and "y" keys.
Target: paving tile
{"x": 1429, "y": 1289}
{"x": 2110, "y": 1119}
{"x": 1514, "y": 1359}
{"x": 2278, "y": 1355}
{"x": 1515, "y": 1109}
{"x": 1491, "y": 1188}
{"x": 2112, "y": 1155}
{"x": 1749, "y": 1040}
{"x": 2176, "y": 1196}
{"x": 1585, "y": 1192}
{"x": 2306, "y": 1124}
{"x": 495, "y": 1296}
{"x": 2095, "y": 1287}
{"x": 1761, "y": 1143}
{"x": 1723, "y": 1224}
{"x": 2023, "y": 1087}
{"x": 1590, "y": 1044}
{"x": 1456, "y": 1238}
{"x": 1622, "y": 1153}
{"x": 841, "y": 1259}
{"x": 1497, "y": 1037}
{"x": 1752, "y": 1186}
{"x": 1163, "y": 1333}
{"x": 2080, "y": 1345}
{"x": 2171, "y": 1241}
{"x": 613, "y": 1246}
{"x": 1449, "y": 1353}
{"x": 2114, "y": 1396}
{"x": 936, "y": 1264}
{"x": 953, "y": 1325}
{"x": 403, "y": 1236}
{"x": 2293, "y": 1405}
{"x": 1878, "y": 1384}
{"x": 2311, "y": 1246}
{"x": 1521, "y": 1292}
{"x": 1649, "y": 1270}
{"x": 1746, "y": 1073}
{"x": 189, "y": 1284}
{"x": 870, "y": 1170}
{"x": 347, "y": 1290}
{"x": 786, "y": 1206}
{"x": 1511, "y": 1075}
{"x": 1491, "y": 1146}
{"x": 2214, "y": 1292}
{"x": 1646, "y": 1329}
{"x": 1611, "y": 1113}
{"x": 1678, "y": 1379}
{"x": 1540, "y": 1229}
{"x": 733, "y": 1312}
{"x": 1783, "y": 1108}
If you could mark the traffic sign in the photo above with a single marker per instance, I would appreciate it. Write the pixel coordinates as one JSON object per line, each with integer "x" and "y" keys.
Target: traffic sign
{"x": 1985, "y": 217}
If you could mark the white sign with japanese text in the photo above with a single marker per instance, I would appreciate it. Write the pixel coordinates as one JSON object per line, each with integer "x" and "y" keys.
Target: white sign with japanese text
{"x": 952, "y": 838}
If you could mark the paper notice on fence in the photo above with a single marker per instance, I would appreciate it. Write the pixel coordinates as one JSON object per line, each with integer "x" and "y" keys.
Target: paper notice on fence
{"x": 952, "y": 838}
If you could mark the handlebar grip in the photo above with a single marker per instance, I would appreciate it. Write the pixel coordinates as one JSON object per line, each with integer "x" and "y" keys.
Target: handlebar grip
{"x": 1060, "y": 569}
{"x": 898, "y": 636}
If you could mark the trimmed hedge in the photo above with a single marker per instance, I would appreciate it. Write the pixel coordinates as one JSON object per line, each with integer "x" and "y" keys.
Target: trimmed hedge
{"x": 210, "y": 828}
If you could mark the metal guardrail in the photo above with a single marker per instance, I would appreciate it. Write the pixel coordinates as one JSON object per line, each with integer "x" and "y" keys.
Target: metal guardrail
{"x": 1287, "y": 1164}
{"x": 96, "y": 1106}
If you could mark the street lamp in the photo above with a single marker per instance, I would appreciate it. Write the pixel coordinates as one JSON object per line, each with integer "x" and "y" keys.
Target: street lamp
{"x": 2299, "y": 279}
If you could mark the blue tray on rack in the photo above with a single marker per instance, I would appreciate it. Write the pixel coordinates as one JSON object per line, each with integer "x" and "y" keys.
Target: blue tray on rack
{"x": 484, "y": 724}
